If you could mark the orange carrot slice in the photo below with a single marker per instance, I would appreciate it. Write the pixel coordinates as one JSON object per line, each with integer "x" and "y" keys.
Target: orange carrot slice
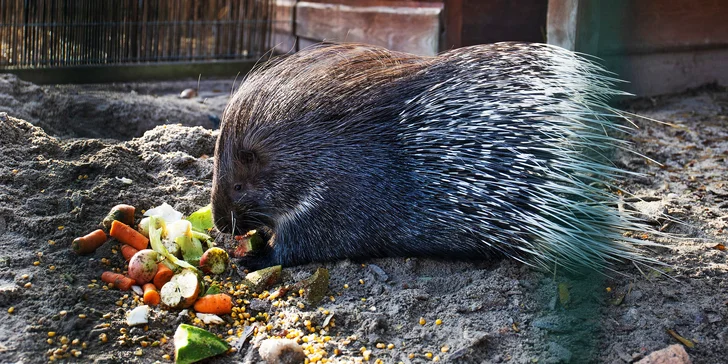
{"x": 164, "y": 274}
{"x": 128, "y": 251}
{"x": 88, "y": 243}
{"x": 218, "y": 304}
{"x": 120, "y": 281}
{"x": 127, "y": 235}
{"x": 151, "y": 295}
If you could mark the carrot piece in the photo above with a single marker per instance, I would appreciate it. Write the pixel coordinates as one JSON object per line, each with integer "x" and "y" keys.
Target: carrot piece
{"x": 128, "y": 251}
{"x": 120, "y": 281}
{"x": 219, "y": 304}
{"x": 127, "y": 235}
{"x": 89, "y": 243}
{"x": 123, "y": 213}
{"x": 151, "y": 295}
{"x": 164, "y": 274}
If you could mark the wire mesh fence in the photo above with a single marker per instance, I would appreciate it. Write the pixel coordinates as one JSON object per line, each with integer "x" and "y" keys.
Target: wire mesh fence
{"x": 58, "y": 33}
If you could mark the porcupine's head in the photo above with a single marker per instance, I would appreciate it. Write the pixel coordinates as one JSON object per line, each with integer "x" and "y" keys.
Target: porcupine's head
{"x": 280, "y": 153}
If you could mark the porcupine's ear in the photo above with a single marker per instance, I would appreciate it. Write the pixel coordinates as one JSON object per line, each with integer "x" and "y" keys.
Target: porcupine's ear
{"x": 247, "y": 156}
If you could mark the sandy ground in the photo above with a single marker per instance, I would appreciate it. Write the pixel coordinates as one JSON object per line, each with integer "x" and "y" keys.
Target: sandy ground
{"x": 64, "y": 148}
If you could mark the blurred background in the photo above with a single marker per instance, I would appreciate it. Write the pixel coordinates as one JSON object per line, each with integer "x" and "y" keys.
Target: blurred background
{"x": 658, "y": 46}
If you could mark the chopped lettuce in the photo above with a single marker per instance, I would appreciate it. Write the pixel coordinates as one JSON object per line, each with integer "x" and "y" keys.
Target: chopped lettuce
{"x": 201, "y": 219}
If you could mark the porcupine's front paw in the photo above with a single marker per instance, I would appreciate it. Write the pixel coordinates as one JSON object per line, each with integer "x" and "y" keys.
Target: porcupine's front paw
{"x": 256, "y": 260}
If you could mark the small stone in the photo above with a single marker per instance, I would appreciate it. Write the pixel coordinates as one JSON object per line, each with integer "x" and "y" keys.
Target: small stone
{"x": 259, "y": 305}
{"x": 379, "y": 273}
{"x": 138, "y": 290}
{"x": 673, "y": 354}
{"x": 282, "y": 351}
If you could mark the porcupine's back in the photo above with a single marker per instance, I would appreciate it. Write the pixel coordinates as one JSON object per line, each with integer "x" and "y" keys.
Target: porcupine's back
{"x": 501, "y": 148}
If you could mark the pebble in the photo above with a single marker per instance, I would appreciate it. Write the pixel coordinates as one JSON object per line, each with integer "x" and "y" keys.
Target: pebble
{"x": 283, "y": 351}
{"x": 259, "y": 305}
{"x": 379, "y": 273}
{"x": 138, "y": 290}
{"x": 673, "y": 354}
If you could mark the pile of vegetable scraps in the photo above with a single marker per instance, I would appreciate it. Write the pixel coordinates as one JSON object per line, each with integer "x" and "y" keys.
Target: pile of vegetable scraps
{"x": 175, "y": 273}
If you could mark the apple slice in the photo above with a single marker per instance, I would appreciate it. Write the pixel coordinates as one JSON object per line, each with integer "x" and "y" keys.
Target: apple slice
{"x": 181, "y": 291}
{"x": 214, "y": 260}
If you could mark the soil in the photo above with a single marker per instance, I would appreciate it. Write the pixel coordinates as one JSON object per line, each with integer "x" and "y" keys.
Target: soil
{"x": 66, "y": 151}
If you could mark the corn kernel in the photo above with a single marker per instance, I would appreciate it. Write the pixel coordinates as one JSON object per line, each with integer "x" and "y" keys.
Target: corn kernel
{"x": 436, "y": 358}
{"x": 36, "y": 263}
{"x": 361, "y": 281}
{"x": 390, "y": 346}
{"x": 82, "y": 316}
{"x": 28, "y": 285}
{"x": 366, "y": 354}
{"x": 51, "y": 242}
{"x": 51, "y": 333}
{"x": 346, "y": 286}
{"x": 422, "y": 321}
{"x": 49, "y": 341}
{"x": 11, "y": 309}
{"x": 75, "y": 342}
{"x": 103, "y": 338}
{"x": 445, "y": 349}
{"x": 428, "y": 355}
{"x": 438, "y": 322}
{"x": 381, "y": 346}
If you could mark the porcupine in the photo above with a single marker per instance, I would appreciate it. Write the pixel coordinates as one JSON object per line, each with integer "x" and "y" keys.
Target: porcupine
{"x": 353, "y": 151}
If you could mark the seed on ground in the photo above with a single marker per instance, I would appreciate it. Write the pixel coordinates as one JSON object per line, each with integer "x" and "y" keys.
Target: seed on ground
{"x": 422, "y": 321}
